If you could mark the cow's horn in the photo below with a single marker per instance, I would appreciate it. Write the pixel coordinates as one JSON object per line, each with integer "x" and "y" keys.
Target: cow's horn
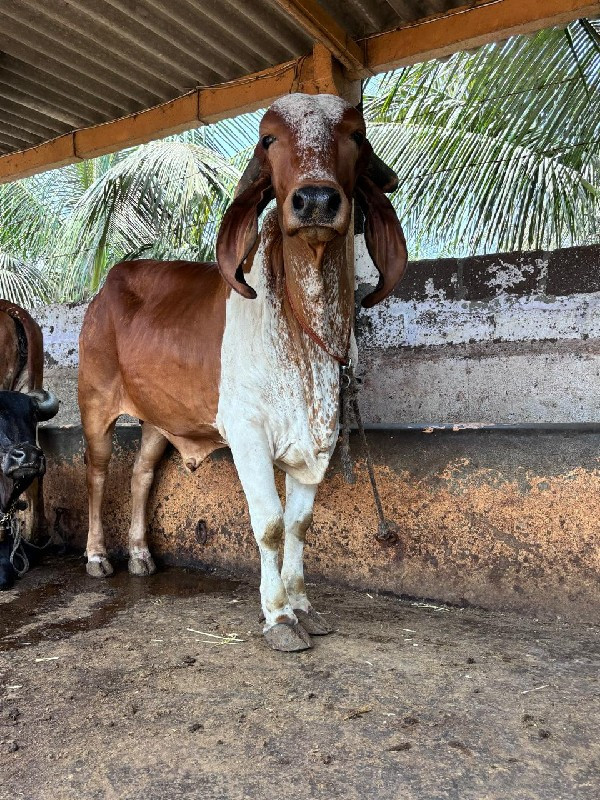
{"x": 381, "y": 175}
{"x": 47, "y": 404}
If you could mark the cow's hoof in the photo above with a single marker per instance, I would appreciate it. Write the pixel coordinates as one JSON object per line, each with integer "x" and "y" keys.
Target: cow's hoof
{"x": 99, "y": 567}
{"x": 141, "y": 564}
{"x": 313, "y": 622}
{"x": 288, "y": 638}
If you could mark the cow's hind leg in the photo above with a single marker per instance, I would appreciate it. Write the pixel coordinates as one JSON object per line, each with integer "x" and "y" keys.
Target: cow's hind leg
{"x": 255, "y": 468}
{"x": 298, "y": 518}
{"x": 97, "y": 457}
{"x": 151, "y": 451}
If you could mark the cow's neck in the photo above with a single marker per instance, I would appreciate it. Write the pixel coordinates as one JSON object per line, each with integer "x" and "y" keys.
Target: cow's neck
{"x": 318, "y": 294}
{"x": 314, "y": 303}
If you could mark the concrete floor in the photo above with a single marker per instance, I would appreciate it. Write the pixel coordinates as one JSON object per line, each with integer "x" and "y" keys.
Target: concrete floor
{"x": 106, "y": 693}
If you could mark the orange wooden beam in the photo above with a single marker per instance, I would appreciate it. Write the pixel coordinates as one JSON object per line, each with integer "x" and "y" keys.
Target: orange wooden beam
{"x": 463, "y": 28}
{"x": 323, "y": 28}
{"x": 190, "y": 111}
{"x": 470, "y": 26}
{"x": 56, "y": 153}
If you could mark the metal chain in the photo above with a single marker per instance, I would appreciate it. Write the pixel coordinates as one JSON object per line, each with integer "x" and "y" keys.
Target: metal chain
{"x": 350, "y": 407}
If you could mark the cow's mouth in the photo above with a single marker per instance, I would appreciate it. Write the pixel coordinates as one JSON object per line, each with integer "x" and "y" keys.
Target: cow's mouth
{"x": 317, "y": 234}
{"x": 26, "y": 474}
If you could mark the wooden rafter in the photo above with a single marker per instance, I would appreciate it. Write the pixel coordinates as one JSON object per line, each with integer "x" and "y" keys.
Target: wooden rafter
{"x": 488, "y": 20}
{"x": 323, "y": 28}
{"x": 470, "y": 26}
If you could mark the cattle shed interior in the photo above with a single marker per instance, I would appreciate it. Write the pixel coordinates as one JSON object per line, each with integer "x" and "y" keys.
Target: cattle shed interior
{"x": 465, "y": 663}
{"x": 480, "y": 369}
{"x": 476, "y": 372}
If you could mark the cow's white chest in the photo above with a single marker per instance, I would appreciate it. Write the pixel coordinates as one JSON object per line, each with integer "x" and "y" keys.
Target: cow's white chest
{"x": 263, "y": 390}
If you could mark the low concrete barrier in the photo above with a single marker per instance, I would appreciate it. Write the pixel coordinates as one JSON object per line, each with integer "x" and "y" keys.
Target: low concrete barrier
{"x": 501, "y": 519}
{"x": 506, "y": 519}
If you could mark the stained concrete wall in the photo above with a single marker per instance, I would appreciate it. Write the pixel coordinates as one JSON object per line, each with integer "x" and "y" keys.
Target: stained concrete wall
{"x": 502, "y": 519}
{"x": 505, "y": 339}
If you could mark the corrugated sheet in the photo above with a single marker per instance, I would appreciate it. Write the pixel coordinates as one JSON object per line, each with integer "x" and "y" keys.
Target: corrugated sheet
{"x": 66, "y": 64}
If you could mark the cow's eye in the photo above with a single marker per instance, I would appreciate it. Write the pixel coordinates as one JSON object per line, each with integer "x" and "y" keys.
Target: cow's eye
{"x": 267, "y": 141}
{"x": 358, "y": 137}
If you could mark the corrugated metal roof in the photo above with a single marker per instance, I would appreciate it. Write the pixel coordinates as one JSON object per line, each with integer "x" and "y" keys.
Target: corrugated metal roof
{"x": 67, "y": 64}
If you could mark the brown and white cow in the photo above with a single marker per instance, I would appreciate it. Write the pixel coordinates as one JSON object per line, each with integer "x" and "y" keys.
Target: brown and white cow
{"x": 23, "y": 403}
{"x": 256, "y": 369}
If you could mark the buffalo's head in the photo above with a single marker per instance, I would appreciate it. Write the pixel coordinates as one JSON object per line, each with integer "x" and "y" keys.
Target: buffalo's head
{"x": 21, "y": 460}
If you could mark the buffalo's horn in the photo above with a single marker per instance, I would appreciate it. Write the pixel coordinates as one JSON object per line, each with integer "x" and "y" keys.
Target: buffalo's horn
{"x": 47, "y": 404}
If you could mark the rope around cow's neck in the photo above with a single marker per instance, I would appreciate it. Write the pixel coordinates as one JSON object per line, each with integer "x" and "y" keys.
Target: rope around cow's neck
{"x": 350, "y": 408}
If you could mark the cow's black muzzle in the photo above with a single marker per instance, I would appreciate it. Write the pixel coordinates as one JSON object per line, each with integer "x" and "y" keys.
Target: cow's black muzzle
{"x": 23, "y": 461}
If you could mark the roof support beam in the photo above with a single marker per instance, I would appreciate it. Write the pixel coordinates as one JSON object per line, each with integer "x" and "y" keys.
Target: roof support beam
{"x": 470, "y": 26}
{"x": 323, "y": 28}
{"x": 488, "y": 20}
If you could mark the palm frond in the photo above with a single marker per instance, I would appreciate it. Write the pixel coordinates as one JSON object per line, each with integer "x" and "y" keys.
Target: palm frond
{"x": 497, "y": 149}
{"x": 21, "y": 283}
{"x": 163, "y": 197}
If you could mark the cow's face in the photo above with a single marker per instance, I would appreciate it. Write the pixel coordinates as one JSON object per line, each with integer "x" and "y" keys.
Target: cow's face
{"x": 313, "y": 146}
{"x": 21, "y": 460}
{"x": 313, "y": 157}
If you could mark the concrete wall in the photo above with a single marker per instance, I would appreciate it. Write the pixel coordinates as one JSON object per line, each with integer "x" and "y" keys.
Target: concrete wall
{"x": 500, "y": 519}
{"x": 505, "y": 519}
{"x": 505, "y": 339}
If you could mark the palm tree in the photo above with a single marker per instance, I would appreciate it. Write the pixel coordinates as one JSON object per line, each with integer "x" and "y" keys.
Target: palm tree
{"x": 20, "y": 282}
{"x": 162, "y": 200}
{"x": 497, "y": 149}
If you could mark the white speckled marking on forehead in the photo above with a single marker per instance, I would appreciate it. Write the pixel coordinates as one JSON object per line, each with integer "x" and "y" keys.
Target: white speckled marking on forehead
{"x": 312, "y": 119}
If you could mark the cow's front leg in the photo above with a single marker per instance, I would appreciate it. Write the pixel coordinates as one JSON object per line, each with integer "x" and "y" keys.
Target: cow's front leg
{"x": 298, "y": 518}
{"x": 254, "y": 465}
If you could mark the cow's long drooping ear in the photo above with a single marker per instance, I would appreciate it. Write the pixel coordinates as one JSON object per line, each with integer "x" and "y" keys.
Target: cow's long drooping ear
{"x": 383, "y": 234}
{"x": 249, "y": 176}
{"x": 239, "y": 227}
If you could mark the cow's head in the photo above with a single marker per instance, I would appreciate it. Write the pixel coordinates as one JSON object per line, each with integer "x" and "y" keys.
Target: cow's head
{"x": 21, "y": 460}
{"x": 313, "y": 158}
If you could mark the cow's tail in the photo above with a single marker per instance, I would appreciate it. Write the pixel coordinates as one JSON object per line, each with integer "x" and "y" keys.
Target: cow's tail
{"x": 35, "y": 344}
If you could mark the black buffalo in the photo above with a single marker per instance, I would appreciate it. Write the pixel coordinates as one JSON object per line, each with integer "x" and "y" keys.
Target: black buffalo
{"x": 23, "y": 403}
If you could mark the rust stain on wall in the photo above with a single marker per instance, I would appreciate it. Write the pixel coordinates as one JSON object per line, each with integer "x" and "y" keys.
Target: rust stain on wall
{"x": 502, "y": 536}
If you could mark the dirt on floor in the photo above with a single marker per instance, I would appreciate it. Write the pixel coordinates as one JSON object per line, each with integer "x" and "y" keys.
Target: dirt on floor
{"x": 162, "y": 688}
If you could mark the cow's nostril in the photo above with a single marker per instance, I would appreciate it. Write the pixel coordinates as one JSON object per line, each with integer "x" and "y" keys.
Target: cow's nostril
{"x": 18, "y": 455}
{"x": 298, "y": 201}
{"x": 316, "y": 205}
{"x": 24, "y": 458}
{"x": 334, "y": 202}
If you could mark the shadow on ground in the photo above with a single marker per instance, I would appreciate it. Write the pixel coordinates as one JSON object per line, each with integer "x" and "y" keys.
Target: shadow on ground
{"x": 105, "y": 692}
